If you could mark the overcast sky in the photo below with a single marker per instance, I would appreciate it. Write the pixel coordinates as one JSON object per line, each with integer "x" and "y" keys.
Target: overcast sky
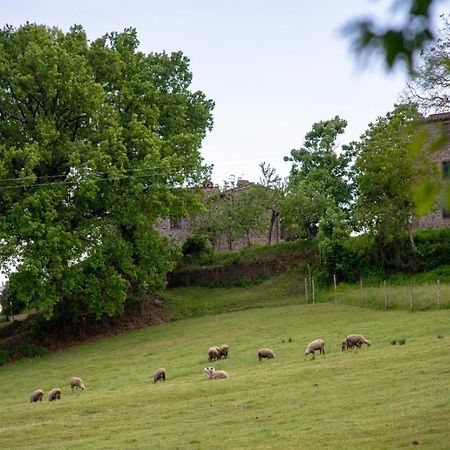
{"x": 273, "y": 68}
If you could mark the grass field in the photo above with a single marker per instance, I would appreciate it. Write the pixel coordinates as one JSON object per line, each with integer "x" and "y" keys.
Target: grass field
{"x": 385, "y": 396}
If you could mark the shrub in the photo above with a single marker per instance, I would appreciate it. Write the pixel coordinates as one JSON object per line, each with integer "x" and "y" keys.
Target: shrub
{"x": 30, "y": 350}
{"x": 4, "y": 357}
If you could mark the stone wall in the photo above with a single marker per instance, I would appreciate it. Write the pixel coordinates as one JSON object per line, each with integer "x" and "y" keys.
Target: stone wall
{"x": 438, "y": 123}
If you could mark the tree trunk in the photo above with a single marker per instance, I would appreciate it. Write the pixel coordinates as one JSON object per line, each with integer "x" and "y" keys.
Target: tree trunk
{"x": 411, "y": 237}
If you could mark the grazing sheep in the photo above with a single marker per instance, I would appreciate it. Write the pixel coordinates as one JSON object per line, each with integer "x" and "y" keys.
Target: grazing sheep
{"x": 317, "y": 344}
{"x": 214, "y": 374}
{"x": 223, "y": 351}
{"x": 160, "y": 374}
{"x": 78, "y": 383}
{"x": 54, "y": 394}
{"x": 265, "y": 353}
{"x": 36, "y": 396}
{"x": 356, "y": 340}
{"x": 213, "y": 353}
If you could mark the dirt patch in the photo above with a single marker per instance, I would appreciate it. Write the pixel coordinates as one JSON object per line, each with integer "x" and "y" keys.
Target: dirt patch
{"x": 83, "y": 330}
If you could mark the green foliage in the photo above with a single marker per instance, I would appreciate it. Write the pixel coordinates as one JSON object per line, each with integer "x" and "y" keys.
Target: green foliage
{"x": 387, "y": 172}
{"x": 334, "y": 246}
{"x": 398, "y": 42}
{"x": 30, "y": 350}
{"x": 320, "y": 178}
{"x": 97, "y": 140}
{"x": 4, "y": 357}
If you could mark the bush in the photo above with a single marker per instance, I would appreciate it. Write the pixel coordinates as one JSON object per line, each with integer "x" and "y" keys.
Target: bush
{"x": 30, "y": 350}
{"x": 4, "y": 357}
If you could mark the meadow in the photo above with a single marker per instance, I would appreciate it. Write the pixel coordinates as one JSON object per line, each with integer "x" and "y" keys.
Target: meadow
{"x": 384, "y": 396}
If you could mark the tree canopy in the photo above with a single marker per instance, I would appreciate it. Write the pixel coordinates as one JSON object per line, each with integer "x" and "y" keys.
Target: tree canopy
{"x": 392, "y": 161}
{"x": 97, "y": 140}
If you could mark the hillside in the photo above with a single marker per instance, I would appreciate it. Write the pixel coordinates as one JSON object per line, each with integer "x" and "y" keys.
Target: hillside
{"x": 385, "y": 396}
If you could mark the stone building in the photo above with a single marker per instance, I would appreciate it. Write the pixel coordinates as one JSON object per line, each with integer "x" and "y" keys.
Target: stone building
{"x": 180, "y": 229}
{"x": 440, "y": 216}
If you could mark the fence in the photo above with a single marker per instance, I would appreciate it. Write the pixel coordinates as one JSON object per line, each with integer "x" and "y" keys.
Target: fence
{"x": 413, "y": 297}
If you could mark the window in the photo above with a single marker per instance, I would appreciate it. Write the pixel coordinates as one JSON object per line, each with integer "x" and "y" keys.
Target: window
{"x": 446, "y": 178}
{"x": 176, "y": 224}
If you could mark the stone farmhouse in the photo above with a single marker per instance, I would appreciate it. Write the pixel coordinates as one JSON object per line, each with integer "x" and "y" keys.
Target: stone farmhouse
{"x": 440, "y": 216}
{"x": 180, "y": 229}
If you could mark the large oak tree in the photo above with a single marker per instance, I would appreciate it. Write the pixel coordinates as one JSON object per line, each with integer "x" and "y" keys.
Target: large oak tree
{"x": 97, "y": 140}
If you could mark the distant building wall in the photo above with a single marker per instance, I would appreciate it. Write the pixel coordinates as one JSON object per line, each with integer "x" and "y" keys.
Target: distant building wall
{"x": 179, "y": 230}
{"x": 440, "y": 216}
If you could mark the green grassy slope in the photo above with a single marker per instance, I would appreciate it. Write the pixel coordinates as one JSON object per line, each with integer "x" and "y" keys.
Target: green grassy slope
{"x": 380, "y": 397}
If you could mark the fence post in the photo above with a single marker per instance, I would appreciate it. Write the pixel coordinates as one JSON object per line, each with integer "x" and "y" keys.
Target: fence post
{"x": 361, "y": 292}
{"x": 335, "y": 289}
{"x": 438, "y": 294}
{"x": 385, "y": 296}
{"x": 313, "y": 291}
{"x": 306, "y": 290}
{"x": 410, "y": 297}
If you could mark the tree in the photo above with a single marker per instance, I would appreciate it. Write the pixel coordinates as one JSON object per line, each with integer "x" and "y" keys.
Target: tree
{"x": 319, "y": 177}
{"x": 430, "y": 84}
{"x": 96, "y": 141}
{"x": 390, "y": 165}
{"x": 273, "y": 195}
{"x": 249, "y": 212}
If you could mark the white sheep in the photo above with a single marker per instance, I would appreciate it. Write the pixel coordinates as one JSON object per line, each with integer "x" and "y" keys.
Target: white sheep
{"x": 213, "y": 353}
{"x": 54, "y": 394}
{"x": 356, "y": 340}
{"x": 78, "y": 383}
{"x": 214, "y": 374}
{"x": 36, "y": 396}
{"x": 223, "y": 351}
{"x": 265, "y": 353}
{"x": 317, "y": 344}
{"x": 160, "y": 374}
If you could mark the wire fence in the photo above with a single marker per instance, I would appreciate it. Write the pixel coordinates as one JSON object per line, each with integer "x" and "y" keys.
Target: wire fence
{"x": 413, "y": 297}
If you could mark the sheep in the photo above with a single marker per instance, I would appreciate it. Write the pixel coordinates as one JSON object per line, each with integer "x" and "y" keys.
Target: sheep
{"x": 213, "y": 353}
{"x": 36, "y": 396}
{"x": 78, "y": 383}
{"x": 160, "y": 374}
{"x": 266, "y": 353}
{"x": 223, "y": 351}
{"x": 356, "y": 340}
{"x": 317, "y": 344}
{"x": 54, "y": 394}
{"x": 214, "y": 374}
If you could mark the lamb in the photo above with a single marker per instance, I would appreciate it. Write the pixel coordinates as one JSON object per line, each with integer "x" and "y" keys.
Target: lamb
{"x": 356, "y": 340}
{"x": 213, "y": 353}
{"x": 160, "y": 374}
{"x": 54, "y": 394}
{"x": 265, "y": 353}
{"x": 317, "y": 344}
{"x": 36, "y": 396}
{"x": 78, "y": 383}
{"x": 214, "y": 374}
{"x": 223, "y": 351}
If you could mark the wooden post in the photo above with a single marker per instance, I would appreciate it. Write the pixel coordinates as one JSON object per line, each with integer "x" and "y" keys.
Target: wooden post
{"x": 361, "y": 292}
{"x": 410, "y": 297}
{"x": 438, "y": 299}
{"x": 385, "y": 296}
{"x": 306, "y": 290}
{"x": 335, "y": 289}
{"x": 313, "y": 291}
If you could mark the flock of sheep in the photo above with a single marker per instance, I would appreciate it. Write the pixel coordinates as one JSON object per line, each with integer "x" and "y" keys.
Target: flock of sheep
{"x": 55, "y": 393}
{"x": 217, "y": 352}
{"x": 214, "y": 353}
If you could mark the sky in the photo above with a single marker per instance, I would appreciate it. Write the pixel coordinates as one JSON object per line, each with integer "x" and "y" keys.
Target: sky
{"x": 273, "y": 68}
